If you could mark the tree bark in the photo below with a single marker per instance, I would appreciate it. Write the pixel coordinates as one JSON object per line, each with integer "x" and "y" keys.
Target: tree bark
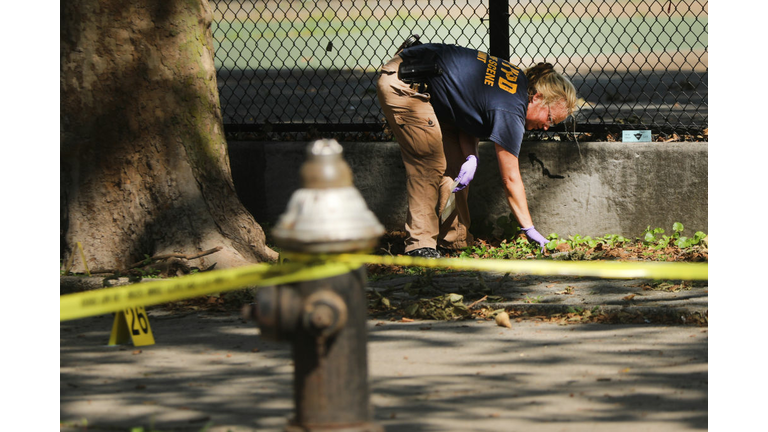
{"x": 144, "y": 162}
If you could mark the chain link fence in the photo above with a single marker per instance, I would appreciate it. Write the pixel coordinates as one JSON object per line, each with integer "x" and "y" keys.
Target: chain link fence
{"x": 310, "y": 66}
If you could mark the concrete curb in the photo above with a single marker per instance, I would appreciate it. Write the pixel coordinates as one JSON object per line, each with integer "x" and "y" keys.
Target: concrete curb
{"x": 589, "y": 188}
{"x": 614, "y": 313}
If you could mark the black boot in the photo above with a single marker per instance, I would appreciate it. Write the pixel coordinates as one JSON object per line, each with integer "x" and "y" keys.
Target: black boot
{"x": 424, "y": 252}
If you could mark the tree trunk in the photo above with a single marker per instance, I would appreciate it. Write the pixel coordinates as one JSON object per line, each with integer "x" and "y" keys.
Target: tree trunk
{"x": 144, "y": 162}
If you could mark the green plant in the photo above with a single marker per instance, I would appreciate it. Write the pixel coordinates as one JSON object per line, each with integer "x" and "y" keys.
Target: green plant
{"x": 482, "y": 228}
{"x": 152, "y": 428}
{"x": 508, "y": 225}
{"x": 614, "y": 240}
{"x": 577, "y": 240}
{"x": 149, "y": 272}
{"x": 685, "y": 242}
{"x": 536, "y": 299}
{"x": 147, "y": 260}
{"x": 650, "y": 237}
{"x": 652, "y": 244}
{"x": 554, "y": 242}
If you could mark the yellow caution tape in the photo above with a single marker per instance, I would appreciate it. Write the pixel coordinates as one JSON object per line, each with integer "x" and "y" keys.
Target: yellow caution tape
{"x": 97, "y": 302}
{"x": 304, "y": 267}
{"x": 602, "y": 269}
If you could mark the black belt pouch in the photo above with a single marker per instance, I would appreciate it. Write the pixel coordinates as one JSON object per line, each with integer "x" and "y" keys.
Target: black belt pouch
{"x": 419, "y": 70}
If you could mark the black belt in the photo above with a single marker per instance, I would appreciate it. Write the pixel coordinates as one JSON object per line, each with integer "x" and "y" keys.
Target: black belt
{"x": 412, "y": 40}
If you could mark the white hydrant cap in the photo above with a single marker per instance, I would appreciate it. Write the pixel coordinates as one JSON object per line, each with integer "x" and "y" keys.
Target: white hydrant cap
{"x": 328, "y": 214}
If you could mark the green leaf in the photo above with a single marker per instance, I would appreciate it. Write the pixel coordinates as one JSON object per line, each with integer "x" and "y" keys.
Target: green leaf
{"x": 412, "y": 309}
{"x": 455, "y": 298}
{"x": 677, "y": 227}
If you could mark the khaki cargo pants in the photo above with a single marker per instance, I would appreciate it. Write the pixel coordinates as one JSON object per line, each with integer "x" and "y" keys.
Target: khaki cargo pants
{"x": 432, "y": 157}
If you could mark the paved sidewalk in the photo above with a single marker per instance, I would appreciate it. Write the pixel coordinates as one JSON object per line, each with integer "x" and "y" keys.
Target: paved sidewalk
{"x": 212, "y": 369}
{"x": 667, "y": 302}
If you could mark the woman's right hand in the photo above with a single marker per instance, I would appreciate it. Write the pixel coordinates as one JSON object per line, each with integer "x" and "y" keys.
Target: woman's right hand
{"x": 467, "y": 173}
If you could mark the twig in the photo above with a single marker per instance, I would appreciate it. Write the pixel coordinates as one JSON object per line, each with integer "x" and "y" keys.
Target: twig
{"x": 476, "y": 302}
{"x": 177, "y": 255}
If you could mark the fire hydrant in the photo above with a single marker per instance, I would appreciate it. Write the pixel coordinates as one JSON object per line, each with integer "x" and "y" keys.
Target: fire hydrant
{"x": 325, "y": 320}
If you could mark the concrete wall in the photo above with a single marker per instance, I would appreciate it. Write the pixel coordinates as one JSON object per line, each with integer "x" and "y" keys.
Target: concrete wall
{"x": 590, "y": 189}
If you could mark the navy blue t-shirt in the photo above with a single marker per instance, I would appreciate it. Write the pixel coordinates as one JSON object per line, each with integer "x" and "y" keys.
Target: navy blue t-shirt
{"x": 481, "y": 94}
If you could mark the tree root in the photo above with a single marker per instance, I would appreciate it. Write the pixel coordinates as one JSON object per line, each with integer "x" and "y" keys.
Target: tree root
{"x": 187, "y": 257}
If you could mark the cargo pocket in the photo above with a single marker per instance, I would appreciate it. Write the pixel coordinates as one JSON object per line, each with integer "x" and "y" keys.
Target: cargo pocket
{"x": 421, "y": 136}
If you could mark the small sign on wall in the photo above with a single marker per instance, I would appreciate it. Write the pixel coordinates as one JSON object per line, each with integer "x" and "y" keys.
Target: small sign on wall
{"x": 630, "y": 136}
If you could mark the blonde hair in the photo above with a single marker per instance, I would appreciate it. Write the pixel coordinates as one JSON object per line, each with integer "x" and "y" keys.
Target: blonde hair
{"x": 553, "y": 86}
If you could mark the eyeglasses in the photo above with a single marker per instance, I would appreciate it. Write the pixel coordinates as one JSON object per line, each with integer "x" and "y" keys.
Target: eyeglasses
{"x": 550, "y": 122}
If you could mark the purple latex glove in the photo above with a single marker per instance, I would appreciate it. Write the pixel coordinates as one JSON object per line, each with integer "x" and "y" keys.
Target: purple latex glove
{"x": 534, "y": 235}
{"x": 467, "y": 173}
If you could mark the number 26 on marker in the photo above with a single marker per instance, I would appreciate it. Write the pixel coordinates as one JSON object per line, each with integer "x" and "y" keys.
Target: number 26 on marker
{"x": 137, "y": 319}
{"x": 131, "y": 324}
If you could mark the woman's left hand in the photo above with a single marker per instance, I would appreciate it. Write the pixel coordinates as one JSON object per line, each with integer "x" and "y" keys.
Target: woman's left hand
{"x": 534, "y": 235}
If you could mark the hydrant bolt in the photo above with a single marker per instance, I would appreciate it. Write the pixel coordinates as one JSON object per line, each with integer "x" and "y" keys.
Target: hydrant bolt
{"x": 325, "y": 313}
{"x": 322, "y": 317}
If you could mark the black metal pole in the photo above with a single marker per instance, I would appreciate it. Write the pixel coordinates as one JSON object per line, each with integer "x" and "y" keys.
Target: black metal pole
{"x": 498, "y": 25}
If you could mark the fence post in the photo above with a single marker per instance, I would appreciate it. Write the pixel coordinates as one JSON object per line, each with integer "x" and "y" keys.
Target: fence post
{"x": 498, "y": 26}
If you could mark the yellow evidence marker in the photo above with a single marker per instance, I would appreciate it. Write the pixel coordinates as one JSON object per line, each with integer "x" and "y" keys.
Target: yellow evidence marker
{"x": 131, "y": 323}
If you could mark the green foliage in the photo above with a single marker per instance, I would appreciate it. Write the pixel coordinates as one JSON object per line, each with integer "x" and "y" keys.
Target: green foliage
{"x": 508, "y": 225}
{"x": 513, "y": 245}
{"x": 517, "y": 248}
{"x": 536, "y": 299}
{"x": 482, "y": 229}
{"x": 577, "y": 240}
{"x": 652, "y": 239}
{"x": 149, "y": 272}
{"x": 147, "y": 260}
{"x": 614, "y": 240}
{"x": 685, "y": 242}
{"x": 205, "y": 428}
